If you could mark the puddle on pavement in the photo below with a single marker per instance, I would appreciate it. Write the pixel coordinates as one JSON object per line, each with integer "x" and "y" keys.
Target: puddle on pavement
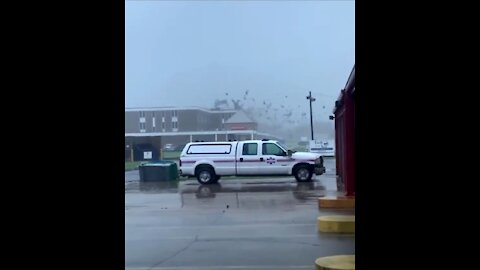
{"x": 252, "y": 193}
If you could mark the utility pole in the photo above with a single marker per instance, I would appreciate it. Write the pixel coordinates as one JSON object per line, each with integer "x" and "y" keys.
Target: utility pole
{"x": 311, "y": 99}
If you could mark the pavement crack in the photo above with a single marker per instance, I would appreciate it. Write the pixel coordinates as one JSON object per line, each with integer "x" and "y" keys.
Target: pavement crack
{"x": 176, "y": 253}
{"x": 263, "y": 240}
{"x": 188, "y": 245}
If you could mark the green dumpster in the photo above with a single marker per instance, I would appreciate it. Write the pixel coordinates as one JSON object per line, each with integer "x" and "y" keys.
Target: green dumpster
{"x": 158, "y": 170}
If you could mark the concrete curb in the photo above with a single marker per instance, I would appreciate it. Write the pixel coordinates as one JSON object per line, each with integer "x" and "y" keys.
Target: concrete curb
{"x": 336, "y": 202}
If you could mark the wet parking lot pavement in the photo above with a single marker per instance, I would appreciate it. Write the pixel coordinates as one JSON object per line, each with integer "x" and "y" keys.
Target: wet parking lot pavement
{"x": 255, "y": 223}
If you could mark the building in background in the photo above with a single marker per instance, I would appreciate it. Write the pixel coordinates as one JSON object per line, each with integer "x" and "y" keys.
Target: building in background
{"x": 171, "y": 119}
{"x": 149, "y": 131}
{"x": 240, "y": 121}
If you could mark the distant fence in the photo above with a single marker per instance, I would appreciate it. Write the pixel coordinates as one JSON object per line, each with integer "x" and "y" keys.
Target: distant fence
{"x": 164, "y": 155}
{"x": 170, "y": 155}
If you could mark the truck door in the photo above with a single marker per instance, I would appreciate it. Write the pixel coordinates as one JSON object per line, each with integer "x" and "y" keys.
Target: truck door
{"x": 248, "y": 158}
{"x": 274, "y": 160}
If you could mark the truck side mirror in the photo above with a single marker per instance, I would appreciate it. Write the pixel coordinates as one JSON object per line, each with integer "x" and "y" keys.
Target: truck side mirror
{"x": 290, "y": 152}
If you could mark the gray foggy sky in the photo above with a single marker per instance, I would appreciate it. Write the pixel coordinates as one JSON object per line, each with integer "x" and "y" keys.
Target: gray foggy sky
{"x": 184, "y": 53}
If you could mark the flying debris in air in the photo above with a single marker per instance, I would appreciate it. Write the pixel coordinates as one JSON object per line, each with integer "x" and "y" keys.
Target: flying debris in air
{"x": 245, "y": 95}
{"x": 236, "y": 104}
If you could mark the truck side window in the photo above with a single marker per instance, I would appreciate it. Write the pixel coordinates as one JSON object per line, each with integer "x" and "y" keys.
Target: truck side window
{"x": 272, "y": 149}
{"x": 249, "y": 149}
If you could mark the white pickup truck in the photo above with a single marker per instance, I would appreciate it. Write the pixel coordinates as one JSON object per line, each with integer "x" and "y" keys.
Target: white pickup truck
{"x": 208, "y": 161}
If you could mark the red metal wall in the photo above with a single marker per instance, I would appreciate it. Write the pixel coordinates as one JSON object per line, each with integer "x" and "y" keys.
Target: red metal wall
{"x": 345, "y": 139}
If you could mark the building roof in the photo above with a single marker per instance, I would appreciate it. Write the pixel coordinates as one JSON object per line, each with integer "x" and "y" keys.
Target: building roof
{"x": 350, "y": 85}
{"x": 239, "y": 117}
{"x": 171, "y": 108}
{"x": 183, "y": 133}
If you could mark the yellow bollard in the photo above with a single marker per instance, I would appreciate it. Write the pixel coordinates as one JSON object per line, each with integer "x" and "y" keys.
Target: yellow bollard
{"x": 336, "y": 224}
{"x": 339, "y": 262}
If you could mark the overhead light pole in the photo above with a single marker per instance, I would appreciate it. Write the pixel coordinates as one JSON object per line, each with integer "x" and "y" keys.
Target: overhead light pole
{"x": 311, "y": 99}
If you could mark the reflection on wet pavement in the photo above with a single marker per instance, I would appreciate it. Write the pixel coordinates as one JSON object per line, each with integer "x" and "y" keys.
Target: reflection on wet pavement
{"x": 259, "y": 193}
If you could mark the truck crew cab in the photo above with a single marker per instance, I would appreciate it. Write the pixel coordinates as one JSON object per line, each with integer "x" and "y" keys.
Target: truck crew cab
{"x": 208, "y": 161}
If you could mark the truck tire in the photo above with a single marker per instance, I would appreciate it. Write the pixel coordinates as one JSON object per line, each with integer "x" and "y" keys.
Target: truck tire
{"x": 205, "y": 175}
{"x": 303, "y": 173}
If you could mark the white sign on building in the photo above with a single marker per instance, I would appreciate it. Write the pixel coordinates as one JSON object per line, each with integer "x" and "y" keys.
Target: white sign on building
{"x": 147, "y": 155}
{"x": 324, "y": 147}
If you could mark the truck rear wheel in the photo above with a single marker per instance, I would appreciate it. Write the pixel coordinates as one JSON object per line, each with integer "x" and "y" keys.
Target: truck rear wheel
{"x": 303, "y": 173}
{"x": 206, "y": 175}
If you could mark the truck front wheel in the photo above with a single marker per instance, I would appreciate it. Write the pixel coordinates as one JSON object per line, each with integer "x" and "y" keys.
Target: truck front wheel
{"x": 303, "y": 173}
{"x": 206, "y": 175}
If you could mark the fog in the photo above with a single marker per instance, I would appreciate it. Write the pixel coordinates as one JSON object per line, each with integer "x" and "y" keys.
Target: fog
{"x": 262, "y": 57}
